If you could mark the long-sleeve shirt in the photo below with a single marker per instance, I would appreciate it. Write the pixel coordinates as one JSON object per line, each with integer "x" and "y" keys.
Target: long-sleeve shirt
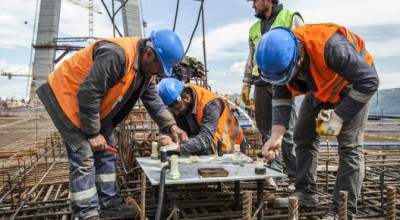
{"x": 341, "y": 57}
{"x": 200, "y": 135}
{"x": 109, "y": 67}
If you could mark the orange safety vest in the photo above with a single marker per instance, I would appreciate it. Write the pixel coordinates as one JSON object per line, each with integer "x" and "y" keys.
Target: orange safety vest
{"x": 329, "y": 83}
{"x": 228, "y": 131}
{"x": 65, "y": 80}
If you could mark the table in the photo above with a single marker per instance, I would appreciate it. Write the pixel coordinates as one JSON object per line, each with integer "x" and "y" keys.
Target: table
{"x": 189, "y": 174}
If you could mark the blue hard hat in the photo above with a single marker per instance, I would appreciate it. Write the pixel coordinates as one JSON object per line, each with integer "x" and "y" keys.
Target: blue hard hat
{"x": 276, "y": 55}
{"x": 169, "y": 90}
{"x": 168, "y": 47}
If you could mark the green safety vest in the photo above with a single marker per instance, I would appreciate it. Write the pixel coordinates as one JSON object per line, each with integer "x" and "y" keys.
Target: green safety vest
{"x": 284, "y": 19}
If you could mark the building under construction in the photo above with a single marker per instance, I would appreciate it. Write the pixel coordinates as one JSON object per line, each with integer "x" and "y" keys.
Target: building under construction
{"x": 34, "y": 165}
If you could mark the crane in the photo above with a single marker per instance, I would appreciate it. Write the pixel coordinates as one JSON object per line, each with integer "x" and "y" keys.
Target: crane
{"x": 10, "y": 75}
{"x": 92, "y": 8}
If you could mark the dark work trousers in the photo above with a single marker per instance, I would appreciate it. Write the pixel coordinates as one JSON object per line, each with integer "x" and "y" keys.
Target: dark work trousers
{"x": 263, "y": 105}
{"x": 92, "y": 177}
{"x": 350, "y": 173}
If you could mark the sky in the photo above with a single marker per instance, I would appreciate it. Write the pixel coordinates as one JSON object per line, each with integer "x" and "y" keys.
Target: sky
{"x": 226, "y": 24}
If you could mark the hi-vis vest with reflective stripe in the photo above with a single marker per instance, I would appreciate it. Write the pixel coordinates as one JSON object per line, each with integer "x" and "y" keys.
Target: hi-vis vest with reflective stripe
{"x": 284, "y": 19}
{"x": 228, "y": 131}
{"x": 65, "y": 80}
{"x": 329, "y": 83}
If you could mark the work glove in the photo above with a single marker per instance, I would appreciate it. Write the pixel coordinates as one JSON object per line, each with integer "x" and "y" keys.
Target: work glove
{"x": 328, "y": 123}
{"x": 245, "y": 95}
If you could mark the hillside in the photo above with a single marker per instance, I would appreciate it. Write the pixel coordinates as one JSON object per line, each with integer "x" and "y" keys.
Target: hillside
{"x": 386, "y": 104}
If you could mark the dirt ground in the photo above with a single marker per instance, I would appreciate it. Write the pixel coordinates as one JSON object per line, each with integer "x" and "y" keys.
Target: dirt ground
{"x": 19, "y": 129}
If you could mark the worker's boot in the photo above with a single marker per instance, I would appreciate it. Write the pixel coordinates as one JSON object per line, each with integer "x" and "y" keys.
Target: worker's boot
{"x": 307, "y": 200}
{"x": 331, "y": 214}
{"x": 291, "y": 187}
{"x": 120, "y": 210}
{"x": 92, "y": 218}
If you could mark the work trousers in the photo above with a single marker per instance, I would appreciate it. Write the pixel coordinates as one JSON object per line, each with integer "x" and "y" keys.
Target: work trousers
{"x": 263, "y": 116}
{"x": 350, "y": 173}
{"x": 92, "y": 179}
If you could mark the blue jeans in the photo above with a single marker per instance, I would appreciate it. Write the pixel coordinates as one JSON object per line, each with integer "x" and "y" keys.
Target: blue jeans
{"x": 92, "y": 180}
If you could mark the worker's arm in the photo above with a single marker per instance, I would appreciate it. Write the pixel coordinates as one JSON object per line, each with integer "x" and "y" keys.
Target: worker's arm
{"x": 248, "y": 68}
{"x": 297, "y": 20}
{"x": 282, "y": 101}
{"x": 344, "y": 59}
{"x": 208, "y": 127}
{"x": 107, "y": 70}
{"x": 245, "y": 94}
{"x": 271, "y": 148}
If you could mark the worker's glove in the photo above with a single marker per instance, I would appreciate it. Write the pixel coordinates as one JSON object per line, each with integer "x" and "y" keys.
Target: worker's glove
{"x": 328, "y": 123}
{"x": 245, "y": 95}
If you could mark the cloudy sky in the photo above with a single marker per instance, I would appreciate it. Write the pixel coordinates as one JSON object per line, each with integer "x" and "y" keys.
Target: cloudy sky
{"x": 226, "y": 33}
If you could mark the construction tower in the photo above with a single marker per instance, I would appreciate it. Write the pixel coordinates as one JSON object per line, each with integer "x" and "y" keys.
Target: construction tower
{"x": 46, "y": 40}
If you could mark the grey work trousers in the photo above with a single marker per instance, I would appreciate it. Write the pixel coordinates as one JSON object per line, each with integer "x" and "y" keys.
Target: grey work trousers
{"x": 350, "y": 173}
{"x": 263, "y": 115}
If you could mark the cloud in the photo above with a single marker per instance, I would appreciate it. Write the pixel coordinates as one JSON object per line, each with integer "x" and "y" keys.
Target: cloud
{"x": 347, "y": 13}
{"x": 224, "y": 42}
{"x": 14, "y": 31}
{"x": 389, "y": 79}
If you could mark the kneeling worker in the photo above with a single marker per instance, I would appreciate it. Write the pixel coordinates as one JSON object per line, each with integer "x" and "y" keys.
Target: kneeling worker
{"x": 203, "y": 115}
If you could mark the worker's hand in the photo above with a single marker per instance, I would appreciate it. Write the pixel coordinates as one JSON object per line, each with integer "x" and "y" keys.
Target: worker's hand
{"x": 165, "y": 140}
{"x": 245, "y": 95}
{"x": 178, "y": 135}
{"x": 270, "y": 149}
{"x": 98, "y": 143}
{"x": 328, "y": 123}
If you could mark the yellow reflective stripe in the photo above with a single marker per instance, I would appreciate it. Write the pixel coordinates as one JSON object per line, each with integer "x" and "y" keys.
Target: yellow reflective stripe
{"x": 105, "y": 177}
{"x": 358, "y": 96}
{"x": 278, "y": 102}
{"x": 82, "y": 195}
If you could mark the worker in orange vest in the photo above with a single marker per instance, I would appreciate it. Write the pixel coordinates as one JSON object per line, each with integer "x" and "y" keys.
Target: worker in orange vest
{"x": 205, "y": 117}
{"x": 331, "y": 66}
{"x": 91, "y": 93}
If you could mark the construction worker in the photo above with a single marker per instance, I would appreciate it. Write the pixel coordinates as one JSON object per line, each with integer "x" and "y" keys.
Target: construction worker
{"x": 332, "y": 67}
{"x": 270, "y": 14}
{"x": 204, "y": 116}
{"x": 91, "y": 93}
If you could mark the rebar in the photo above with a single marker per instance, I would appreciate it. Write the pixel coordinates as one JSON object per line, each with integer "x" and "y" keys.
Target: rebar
{"x": 143, "y": 197}
{"x": 390, "y": 203}
{"x": 293, "y": 208}
{"x": 343, "y": 205}
{"x": 247, "y": 205}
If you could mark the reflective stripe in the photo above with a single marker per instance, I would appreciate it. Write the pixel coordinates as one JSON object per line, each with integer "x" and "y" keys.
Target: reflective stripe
{"x": 363, "y": 51}
{"x": 278, "y": 102}
{"x": 337, "y": 87}
{"x": 226, "y": 132}
{"x": 355, "y": 41}
{"x": 105, "y": 177}
{"x": 358, "y": 96}
{"x": 77, "y": 196}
